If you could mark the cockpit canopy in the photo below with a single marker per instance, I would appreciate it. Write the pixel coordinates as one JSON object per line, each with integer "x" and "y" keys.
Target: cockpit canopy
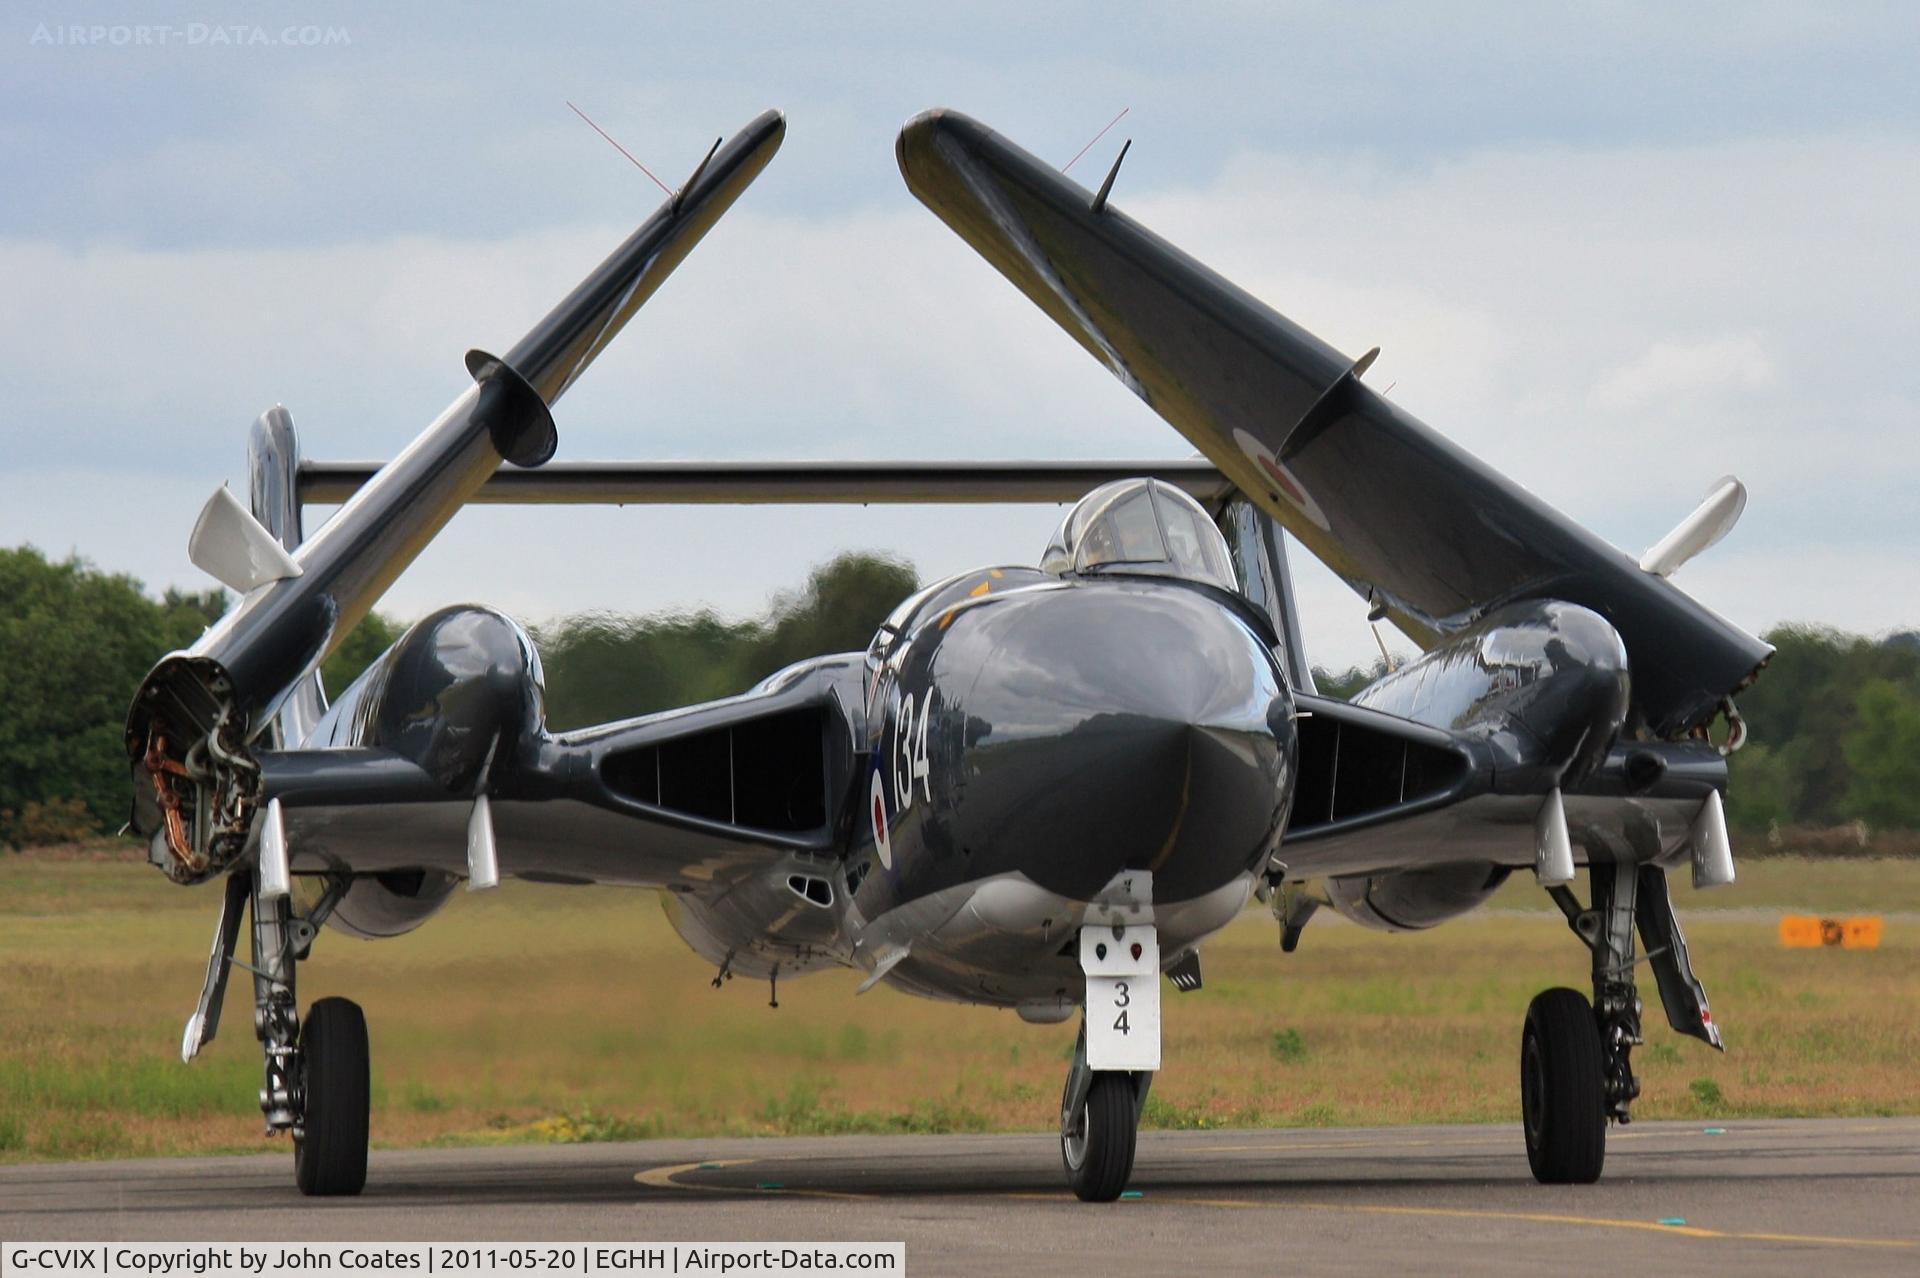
{"x": 1140, "y": 526}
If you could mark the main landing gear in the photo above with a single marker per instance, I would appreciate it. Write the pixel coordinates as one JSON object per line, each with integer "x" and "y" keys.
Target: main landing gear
{"x": 330, "y": 1139}
{"x": 1576, "y": 1075}
{"x": 316, "y": 1084}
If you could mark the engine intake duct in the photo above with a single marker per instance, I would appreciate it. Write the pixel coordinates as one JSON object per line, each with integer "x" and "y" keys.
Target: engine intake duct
{"x": 1358, "y": 766}
{"x": 765, "y": 774}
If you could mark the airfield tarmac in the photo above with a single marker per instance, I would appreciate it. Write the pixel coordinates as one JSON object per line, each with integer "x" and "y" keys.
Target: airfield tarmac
{"x": 1782, "y": 1196}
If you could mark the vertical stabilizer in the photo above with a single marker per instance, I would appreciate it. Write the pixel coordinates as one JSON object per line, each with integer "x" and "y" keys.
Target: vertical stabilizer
{"x": 273, "y": 474}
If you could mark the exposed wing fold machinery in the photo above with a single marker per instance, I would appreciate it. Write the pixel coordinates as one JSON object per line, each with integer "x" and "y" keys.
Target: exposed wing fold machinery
{"x": 196, "y": 718}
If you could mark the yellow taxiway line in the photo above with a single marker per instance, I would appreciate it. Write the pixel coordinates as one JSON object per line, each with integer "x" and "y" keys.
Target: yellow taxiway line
{"x": 665, "y": 1178}
{"x": 668, "y": 1178}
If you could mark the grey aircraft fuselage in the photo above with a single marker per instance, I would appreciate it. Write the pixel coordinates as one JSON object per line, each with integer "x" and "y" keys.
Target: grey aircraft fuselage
{"x": 1010, "y": 742}
{"x": 1028, "y": 738}
{"x": 1038, "y": 787}
{"x": 940, "y": 810}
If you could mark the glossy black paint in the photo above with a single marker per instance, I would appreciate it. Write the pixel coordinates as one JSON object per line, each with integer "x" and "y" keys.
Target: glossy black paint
{"x": 273, "y": 485}
{"x": 254, "y": 656}
{"x": 221, "y": 697}
{"x": 1069, "y": 729}
{"x": 1545, "y": 685}
{"x": 273, "y": 471}
{"x": 1438, "y": 537}
{"x": 1074, "y": 729}
{"x": 793, "y": 482}
{"x": 456, "y": 695}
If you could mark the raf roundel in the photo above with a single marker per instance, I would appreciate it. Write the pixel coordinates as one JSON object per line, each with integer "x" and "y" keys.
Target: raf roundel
{"x": 1284, "y": 485}
{"x": 877, "y": 804}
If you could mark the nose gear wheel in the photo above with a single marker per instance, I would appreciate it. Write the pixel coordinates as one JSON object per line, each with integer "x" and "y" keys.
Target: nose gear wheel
{"x": 1097, "y": 1145}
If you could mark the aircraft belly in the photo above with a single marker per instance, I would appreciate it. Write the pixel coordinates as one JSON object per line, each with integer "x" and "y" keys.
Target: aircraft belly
{"x": 1007, "y": 942}
{"x": 749, "y": 933}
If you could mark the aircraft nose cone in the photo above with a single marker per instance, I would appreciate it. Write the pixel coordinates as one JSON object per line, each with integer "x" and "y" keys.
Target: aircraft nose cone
{"x": 1128, "y": 729}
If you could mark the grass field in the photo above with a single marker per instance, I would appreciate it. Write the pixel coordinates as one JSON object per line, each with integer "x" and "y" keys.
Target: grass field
{"x": 555, "y": 1014}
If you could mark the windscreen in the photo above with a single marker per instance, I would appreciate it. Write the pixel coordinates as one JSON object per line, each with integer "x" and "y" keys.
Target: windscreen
{"x": 1140, "y": 526}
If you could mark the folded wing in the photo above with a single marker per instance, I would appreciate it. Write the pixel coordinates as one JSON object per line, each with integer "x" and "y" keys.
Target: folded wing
{"x": 1433, "y": 536}
{"x": 201, "y": 714}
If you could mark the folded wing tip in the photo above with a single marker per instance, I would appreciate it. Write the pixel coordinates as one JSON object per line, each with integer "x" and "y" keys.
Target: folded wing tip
{"x": 916, "y": 136}
{"x": 771, "y": 123}
{"x": 916, "y": 143}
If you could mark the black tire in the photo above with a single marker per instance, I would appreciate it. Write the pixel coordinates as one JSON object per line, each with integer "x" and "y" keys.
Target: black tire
{"x": 330, "y": 1146}
{"x": 1099, "y": 1156}
{"x": 1563, "y": 1101}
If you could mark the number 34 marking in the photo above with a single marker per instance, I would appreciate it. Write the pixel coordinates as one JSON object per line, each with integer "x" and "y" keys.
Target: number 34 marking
{"x": 1121, "y": 1000}
{"x": 910, "y": 752}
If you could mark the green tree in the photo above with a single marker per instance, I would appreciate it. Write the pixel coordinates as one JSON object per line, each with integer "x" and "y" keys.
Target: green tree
{"x": 1762, "y": 788}
{"x": 844, "y": 602}
{"x": 373, "y": 636}
{"x": 74, "y": 644}
{"x": 604, "y": 666}
{"x": 1805, "y": 707}
{"x": 185, "y": 615}
{"x": 1802, "y": 706}
{"x": 1883, "y": 752}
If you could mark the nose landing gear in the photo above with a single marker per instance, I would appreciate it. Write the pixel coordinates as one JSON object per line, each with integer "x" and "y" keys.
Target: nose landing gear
{"x": 1100, "y": 1126}
{"x": 1118, "y": 1050}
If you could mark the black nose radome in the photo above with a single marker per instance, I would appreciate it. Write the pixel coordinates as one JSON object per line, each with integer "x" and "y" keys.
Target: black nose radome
{"x": 1127, "y": 728}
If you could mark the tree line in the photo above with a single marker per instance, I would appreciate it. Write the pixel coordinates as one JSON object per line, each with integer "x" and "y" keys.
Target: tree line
{"x": 1835, "y": 719}
{"x": 75, "y": 642}
{"x": 1833, "y": 732}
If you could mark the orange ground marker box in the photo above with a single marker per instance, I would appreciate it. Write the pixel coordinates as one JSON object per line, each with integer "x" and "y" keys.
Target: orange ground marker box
{"x": 1810, "y": 931}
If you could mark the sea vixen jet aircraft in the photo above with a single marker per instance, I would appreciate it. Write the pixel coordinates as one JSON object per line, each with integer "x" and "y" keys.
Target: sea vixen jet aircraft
{"x": 1039, "y": 788}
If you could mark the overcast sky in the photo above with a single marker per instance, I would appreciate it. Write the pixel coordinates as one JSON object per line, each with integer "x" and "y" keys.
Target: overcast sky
{"x": 1616, "y": 250}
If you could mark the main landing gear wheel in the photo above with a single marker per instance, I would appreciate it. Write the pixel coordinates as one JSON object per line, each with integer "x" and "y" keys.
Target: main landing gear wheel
{"x": 330, "y": 1145}
{"x": 1097, "y": 1143}
{"x": 1563, "y": 1086}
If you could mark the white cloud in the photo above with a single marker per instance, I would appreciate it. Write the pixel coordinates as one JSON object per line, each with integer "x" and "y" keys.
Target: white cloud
{"x": 1613, "y": 327}
{"x": 1683, "y": 371}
